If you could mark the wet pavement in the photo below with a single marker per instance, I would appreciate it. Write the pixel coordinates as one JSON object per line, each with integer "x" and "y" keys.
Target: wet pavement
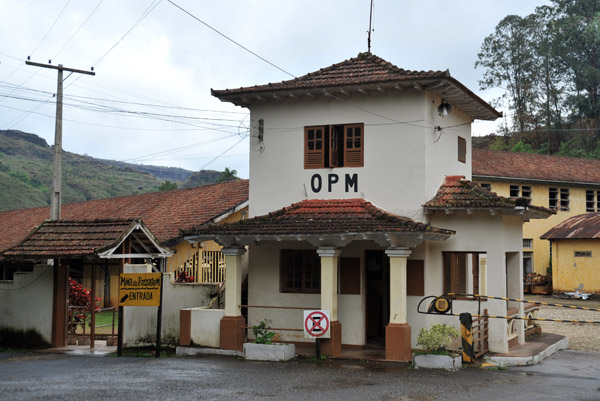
{"x": 568, "y": 374}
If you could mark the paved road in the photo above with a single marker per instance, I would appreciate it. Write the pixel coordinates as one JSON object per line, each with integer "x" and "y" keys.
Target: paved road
{"x": 569, "y": 375}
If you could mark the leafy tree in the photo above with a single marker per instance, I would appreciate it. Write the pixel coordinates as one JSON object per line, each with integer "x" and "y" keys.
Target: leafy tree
{"x": 167, "y": 186}
{"x": 508, "y": 57}
{"x": 228, "y": 175}
{"x": 522, "y": 147}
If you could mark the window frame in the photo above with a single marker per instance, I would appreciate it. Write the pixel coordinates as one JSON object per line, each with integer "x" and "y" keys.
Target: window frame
{"x": 341, "y": 145}
{"x": 454, "y": 272}
{"x": 462, "y": 149}
{"x": 314, "y": 268}
{"x": 564, "y": 199}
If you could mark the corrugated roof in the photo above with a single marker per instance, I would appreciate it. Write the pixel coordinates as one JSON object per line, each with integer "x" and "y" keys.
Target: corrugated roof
{"x": 164, "y": 213}
{"x": 458, "y": 193}
{"x": 364, "y": 73}
{"x": 315, "y": 217}
{"x": 528, "y": 166}
{"x": 582, "y": 226}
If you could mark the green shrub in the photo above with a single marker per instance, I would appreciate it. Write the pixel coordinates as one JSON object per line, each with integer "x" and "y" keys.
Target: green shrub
{"x": 437, "y": 338}
{"x": 262, "y": 333}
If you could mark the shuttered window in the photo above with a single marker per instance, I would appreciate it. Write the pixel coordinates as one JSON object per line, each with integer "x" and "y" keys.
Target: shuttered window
{"x": 314, "y": 149}
{"x": 340, "y": 145}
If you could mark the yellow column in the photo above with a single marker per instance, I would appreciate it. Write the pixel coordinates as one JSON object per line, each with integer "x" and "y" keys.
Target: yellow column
{"x": 233, "y": 280}
{"x": 329, "y": 278}
{"x": 331, "y": 346}
{"x": 398, "y": 257}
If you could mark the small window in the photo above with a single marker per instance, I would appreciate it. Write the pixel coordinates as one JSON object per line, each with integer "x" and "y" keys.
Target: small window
{"x": 462, "y": 150}
{"x": 564, "y": 199}
{"x": 583, "y": 254}
{"x": 590, "y": 204}
{"x": 526, "y": 191}
{"x": 486, "y": 186}
{"x": 514, "y": 191}
{"x": 553, "y": 198}
{"x": 527, "y": 242}
{"x": 300, "y": 271}
{"x": 598, "y": 201}
{"x": 334, "y": 146}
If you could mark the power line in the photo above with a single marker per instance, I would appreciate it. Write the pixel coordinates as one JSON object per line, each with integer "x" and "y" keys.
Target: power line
{"x": 52, "y": 26}
{"x": 79, "y": 28}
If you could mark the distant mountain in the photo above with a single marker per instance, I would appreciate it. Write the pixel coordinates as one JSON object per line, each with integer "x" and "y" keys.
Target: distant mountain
{"x": 26, "y": 174}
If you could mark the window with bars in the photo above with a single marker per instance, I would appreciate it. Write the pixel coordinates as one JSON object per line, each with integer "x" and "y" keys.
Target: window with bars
{"x": 514, "y": 191}
{"x": 300, "y": 271}
{"x": 486, "y": 186}
{"x": 583, "y": 254}
{"x": 526, "y": 191}
{"x": 592, "y": 201}
{"x": 564, "y": 199}
{"x": 553, "y": 198}
{"x": 527, "y": 242}
{"x": 334, "y": 146}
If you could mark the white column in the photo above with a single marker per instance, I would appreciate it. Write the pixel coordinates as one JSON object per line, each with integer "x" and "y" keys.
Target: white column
{"x": 329, "y": 280}
{"x": 398, "y": 308}
{"x": 233, "y": 280}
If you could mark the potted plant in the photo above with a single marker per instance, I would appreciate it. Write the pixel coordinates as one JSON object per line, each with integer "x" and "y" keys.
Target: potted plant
{"x": 435, "y": 354}
{"x": 266, "y": 346}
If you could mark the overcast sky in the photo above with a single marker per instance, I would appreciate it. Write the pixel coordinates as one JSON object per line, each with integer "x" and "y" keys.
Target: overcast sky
{"x": 150, "y": 100}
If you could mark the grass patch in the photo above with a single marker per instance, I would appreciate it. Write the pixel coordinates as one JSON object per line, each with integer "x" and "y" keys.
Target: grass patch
{"x": 103, "y": 319}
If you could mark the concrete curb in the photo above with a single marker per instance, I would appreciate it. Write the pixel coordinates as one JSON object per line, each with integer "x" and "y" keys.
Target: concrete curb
{"x": 193, "y": 351}
{"x": 530, "y": 360}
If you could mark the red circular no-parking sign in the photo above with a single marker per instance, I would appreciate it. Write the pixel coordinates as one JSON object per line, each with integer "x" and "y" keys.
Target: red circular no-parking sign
{"x": 316, "y": 324}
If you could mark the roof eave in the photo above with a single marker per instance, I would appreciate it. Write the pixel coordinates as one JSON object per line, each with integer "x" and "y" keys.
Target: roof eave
{"x": 452, "y": 90}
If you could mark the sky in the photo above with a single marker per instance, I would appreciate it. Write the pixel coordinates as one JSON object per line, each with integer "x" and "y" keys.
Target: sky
{"x": 156, "y": 61}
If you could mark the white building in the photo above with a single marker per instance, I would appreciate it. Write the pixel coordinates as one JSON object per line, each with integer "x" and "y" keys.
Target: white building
{"x": 376, "y": 162}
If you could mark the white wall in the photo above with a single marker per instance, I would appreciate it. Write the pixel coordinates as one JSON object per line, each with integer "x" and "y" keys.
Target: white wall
{"x": 205, "y": 328}
{"x": 263, "y": 289}
{"x": 140, "y": 321}
{"x": 26, "y": 302}
{"x": 478, "y": 232}
{"x": 404, "y": 164}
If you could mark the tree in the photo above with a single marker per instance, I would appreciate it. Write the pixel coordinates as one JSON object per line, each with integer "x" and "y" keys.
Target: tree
{"x": 577, "y": 43}
{"x": 228, "y": 175}
{"x": 509, "y": 60}
{"x": 167, "y": 186}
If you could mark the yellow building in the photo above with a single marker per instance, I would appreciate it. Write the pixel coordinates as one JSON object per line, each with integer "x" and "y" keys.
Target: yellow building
{"x": 570, "y": 186}
{"x": 576, "y": 253}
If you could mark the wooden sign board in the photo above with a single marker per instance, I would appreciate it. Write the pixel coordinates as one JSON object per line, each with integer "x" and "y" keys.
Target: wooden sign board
{"x": 139, "y": 289}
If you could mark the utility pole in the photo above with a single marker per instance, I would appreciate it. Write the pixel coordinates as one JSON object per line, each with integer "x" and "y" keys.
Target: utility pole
{"x": 57, "y": 173}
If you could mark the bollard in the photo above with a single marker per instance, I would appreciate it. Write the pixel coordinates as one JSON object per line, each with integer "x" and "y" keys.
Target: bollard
{"x": 466, "y": 325}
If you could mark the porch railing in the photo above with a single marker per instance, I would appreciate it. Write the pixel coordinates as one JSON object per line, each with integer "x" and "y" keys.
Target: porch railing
{"x": 207, "y": 267}
{"x": 531, "y": 313}
{"x": 480, "y": 330}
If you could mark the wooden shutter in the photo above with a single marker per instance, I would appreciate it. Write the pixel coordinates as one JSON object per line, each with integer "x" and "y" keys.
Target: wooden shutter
{"x": 350, "y": 276}
{"x": 314, "y": 149}
{"x": 415, "y": 277}
{"x": 475, "y": 273}
{"x": 462, "y": 150}
{"x": 353, "y": 145}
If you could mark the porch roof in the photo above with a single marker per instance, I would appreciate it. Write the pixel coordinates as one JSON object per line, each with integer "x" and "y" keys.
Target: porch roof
{"x": 81, "y": 238}
{"x": 582, "y": 226}
{"x": 364, "y": 74}
{"x": 456, "y": 193}
{"x": 333, "y": 222}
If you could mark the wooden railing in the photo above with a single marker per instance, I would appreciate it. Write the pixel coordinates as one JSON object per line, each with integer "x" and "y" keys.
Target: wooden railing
{"x": 480, "y": 329}
{"x": 207, "y": 267}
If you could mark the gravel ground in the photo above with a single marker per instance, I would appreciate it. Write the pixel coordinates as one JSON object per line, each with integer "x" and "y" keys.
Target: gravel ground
{"x": 581, "y": 336}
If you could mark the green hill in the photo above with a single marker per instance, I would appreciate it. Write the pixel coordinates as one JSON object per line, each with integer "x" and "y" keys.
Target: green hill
{"x": 26, "y": 174}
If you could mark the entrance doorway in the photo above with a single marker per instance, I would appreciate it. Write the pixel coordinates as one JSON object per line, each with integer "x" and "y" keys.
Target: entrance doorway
{"x": 378, "y": 295}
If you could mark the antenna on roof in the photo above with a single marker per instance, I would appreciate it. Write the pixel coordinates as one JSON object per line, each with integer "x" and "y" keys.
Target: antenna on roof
{"x": 370, "y": 30}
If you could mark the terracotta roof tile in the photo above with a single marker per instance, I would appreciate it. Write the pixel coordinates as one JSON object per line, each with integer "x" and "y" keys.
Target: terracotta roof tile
{"x": 527, "y": 166}
{"x": 458, "y": 193}
{"x": 366, "y": 68}
{"x": 315, "y": 216}
{"x": 68, "y": 238}
{"x": 164, "y": 213}
{"x": 370, "y": 73}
